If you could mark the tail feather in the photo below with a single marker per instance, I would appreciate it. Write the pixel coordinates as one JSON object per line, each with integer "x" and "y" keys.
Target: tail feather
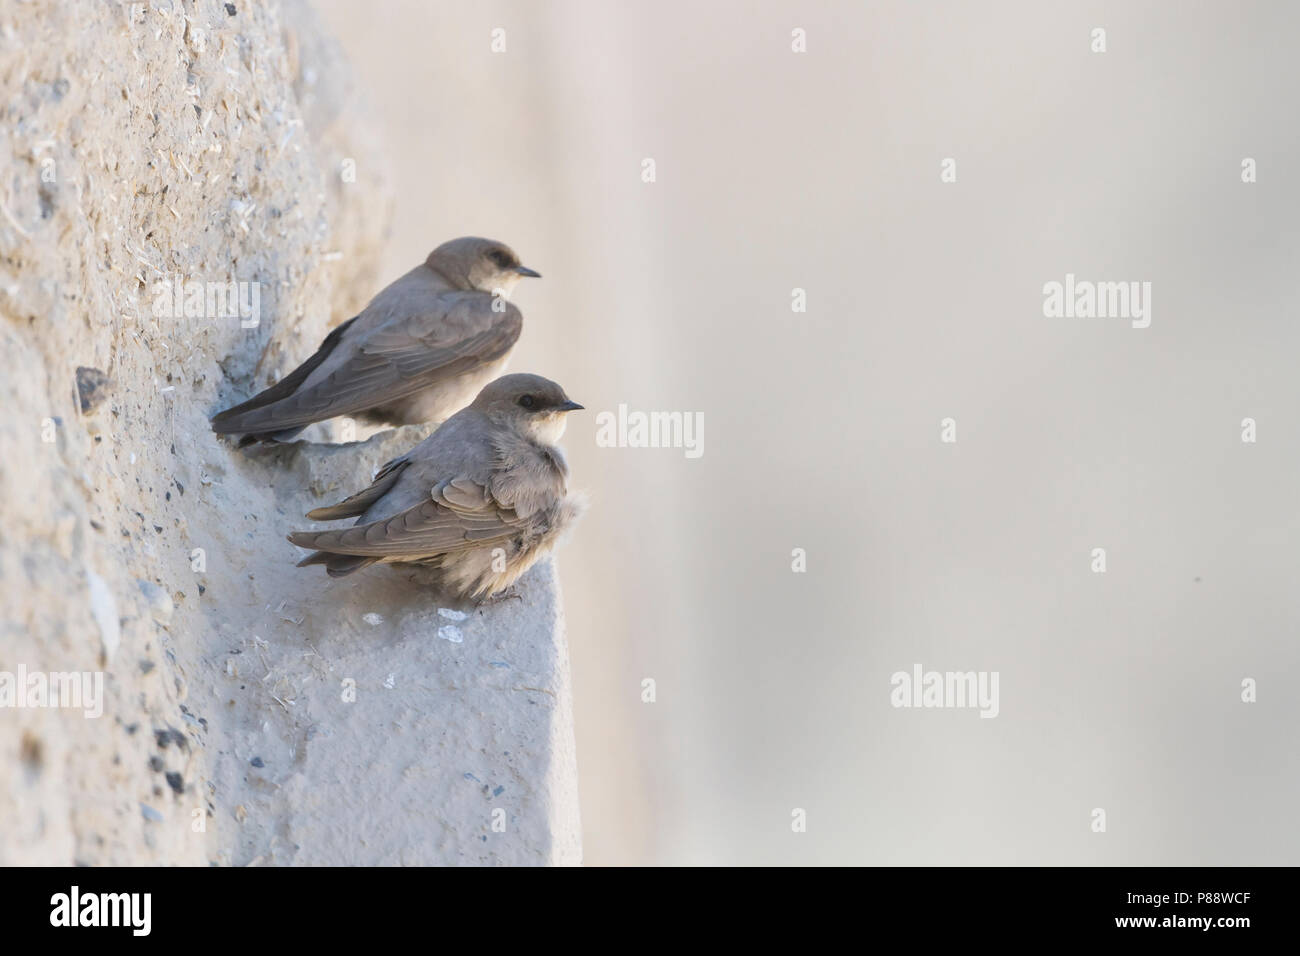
{"x": 287, "y": 435}
{"x": 258, "y": 424}
{"x": 338, "y": 565}
{"x": 360, "y": 503}
{"x": 239, "y": 418}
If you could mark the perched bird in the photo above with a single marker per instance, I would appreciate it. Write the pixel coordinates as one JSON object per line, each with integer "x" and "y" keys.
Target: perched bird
{"x": 417, "y": 353}
{"x": 479, "y": 500}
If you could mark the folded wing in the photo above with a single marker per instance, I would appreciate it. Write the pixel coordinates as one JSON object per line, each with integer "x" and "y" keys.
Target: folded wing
{"x": 460, "y": 515}
{"x": 402, "y": 357}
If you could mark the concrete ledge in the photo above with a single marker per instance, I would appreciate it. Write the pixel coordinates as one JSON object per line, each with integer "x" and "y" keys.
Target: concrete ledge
{"x": 392, "y": 731}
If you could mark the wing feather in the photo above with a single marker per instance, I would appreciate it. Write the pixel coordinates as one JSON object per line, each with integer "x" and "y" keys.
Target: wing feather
{"x": 399, "y": 359}
{"x": 466, "y": 519}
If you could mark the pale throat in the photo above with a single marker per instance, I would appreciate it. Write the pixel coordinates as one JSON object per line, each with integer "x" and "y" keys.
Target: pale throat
{"x": 547, "y": 429}
{"x": 503, "y": 283}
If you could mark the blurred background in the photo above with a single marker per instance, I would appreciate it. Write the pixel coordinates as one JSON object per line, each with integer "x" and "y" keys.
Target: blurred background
{"x": 820, "y": 170}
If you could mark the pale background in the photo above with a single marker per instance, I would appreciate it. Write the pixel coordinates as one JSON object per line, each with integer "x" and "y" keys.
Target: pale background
{"x": 821, "y": 171}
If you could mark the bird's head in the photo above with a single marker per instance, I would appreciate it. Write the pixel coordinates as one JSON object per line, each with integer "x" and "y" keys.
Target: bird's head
{"x": 482, "y": 264}
{"x": 532, "y": 406}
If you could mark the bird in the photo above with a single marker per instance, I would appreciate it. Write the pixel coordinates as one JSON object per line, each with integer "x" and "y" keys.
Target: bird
{"x": 479, "y": 501}
{"x": 417, "y": 353}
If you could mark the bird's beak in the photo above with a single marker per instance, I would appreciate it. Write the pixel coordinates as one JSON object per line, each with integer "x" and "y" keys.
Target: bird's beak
{"x": 525, "y": 271}
{"x": 569, "y": 406}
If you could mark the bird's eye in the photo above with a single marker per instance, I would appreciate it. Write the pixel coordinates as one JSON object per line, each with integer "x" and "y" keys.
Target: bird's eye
{"x": 527, "y": 401}
{"x": 500, "y": 258}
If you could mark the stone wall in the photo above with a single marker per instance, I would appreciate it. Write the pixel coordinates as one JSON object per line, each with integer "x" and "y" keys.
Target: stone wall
{"x": 252, "y": 712}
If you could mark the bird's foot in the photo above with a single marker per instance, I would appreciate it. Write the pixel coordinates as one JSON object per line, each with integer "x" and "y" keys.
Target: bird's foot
{"x": 504, "y": 595}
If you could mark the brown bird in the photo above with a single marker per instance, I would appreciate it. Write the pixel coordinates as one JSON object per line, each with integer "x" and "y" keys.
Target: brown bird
{"x": 479, "y": 500}
{"x": 417, "y": 353}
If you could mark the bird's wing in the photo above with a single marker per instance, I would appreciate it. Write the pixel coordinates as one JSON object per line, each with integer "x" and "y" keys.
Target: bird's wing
{"x": 460, "y": 515}
{"x": 399, "y": 358}
{"x": 360, "y": 502}
{"x": 283, "y": 388}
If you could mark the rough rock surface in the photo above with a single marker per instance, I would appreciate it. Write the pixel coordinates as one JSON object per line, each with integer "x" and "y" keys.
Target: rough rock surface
{"x": 253, "y": 712}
